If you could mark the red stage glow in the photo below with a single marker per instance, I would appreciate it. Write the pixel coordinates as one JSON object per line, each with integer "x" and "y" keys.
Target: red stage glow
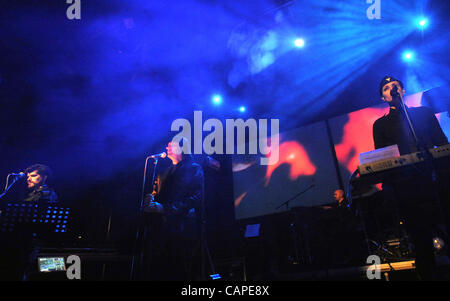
{"x": 358, "y": 137}
{"x": 292, "y": 153}
{"x": 239, "y": 199}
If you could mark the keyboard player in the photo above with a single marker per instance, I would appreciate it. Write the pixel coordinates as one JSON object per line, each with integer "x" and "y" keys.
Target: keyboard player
{"x": 415, "y": 193}
{"x": 393, "y": 128}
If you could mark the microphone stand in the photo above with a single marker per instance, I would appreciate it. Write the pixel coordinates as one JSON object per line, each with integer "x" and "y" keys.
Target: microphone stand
{"x": 7, "y": 187}
{"x": 294, "y": 197}
{"x": 204, "y": 249}
{"x": 421, "y": 147}
{"x": 429, "y": 163}
{"x": 410, "y": 124}
{"x": 292, "y": 225}
{"x": 141, "y": 230}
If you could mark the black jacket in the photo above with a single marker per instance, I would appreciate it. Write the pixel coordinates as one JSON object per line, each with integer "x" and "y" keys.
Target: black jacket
{"x": 181, "y": 188}
{"x": 393, "y": 129}
{"x": 43, "y": 194}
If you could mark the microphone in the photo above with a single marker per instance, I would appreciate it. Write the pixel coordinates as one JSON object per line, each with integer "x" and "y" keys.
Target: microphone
{"x": 394, "y": 91}
{"x": 19, "y": 175}
{"x": 160, "y": 155}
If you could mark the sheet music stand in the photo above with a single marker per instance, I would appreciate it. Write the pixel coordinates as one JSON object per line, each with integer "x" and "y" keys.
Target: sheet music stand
{"x": 39, "y": 219}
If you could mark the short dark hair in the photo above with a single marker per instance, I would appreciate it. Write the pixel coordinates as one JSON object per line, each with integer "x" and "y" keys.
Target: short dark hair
{"x": 42, "y": 169}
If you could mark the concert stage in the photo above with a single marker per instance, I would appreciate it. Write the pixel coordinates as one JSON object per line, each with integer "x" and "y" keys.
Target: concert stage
{"x": 190, "y": 140}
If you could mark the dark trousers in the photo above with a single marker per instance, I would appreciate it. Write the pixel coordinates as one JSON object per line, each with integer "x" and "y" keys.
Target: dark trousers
{"x": 172, "y": 248}
{"x": 421, "y": 211}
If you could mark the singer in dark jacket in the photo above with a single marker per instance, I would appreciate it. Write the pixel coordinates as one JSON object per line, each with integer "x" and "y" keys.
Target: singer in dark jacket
{"x": 393, "y": 129}
{"x": 180, "y": 189}
{"x": 413, "y": 192}
{"x": 178, "y": 201}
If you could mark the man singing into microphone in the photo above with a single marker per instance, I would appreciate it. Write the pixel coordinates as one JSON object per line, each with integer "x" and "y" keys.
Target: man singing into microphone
{"x": 393, "y": 128}
{"x": 14, "y": 255}
{"x": 37, "y": 177}
{"x": 178, "y": 198}
{"x": 414, "y": 193}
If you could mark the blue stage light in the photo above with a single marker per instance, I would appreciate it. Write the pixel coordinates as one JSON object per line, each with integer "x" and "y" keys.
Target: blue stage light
{"x": 408, "y": 56}
{"x": 422, "y": 22}
{"x": 242, "y": 109}
{"x": 299, "y": 43}
{"x": 217, "y": 99}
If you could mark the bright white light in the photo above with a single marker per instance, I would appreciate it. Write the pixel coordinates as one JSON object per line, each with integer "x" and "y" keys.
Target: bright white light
{"x": 422, "y": 22}
{"x": 217, "y": 99}
{"x": 299, "y": 43}
{"x": 408, "y": 56}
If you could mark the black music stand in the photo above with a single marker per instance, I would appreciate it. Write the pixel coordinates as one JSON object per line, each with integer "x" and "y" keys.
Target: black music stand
{"x": 38, "y": 219}
{"x": 23, "y": 225}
